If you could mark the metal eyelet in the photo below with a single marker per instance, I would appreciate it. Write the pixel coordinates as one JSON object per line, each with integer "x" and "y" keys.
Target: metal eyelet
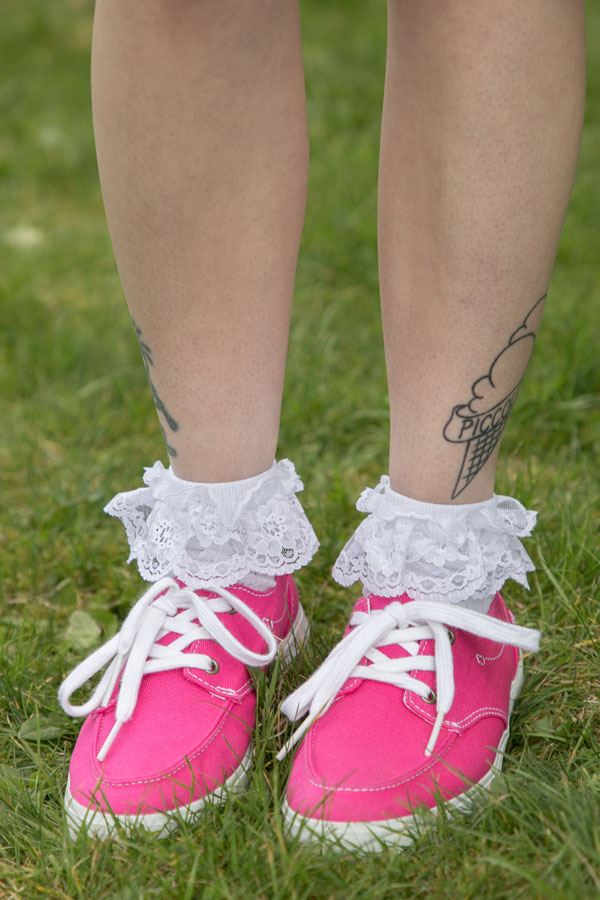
{"x": 451, "y": 635}
{"x": 214, "y": 667}
{"x": 431, "y": 697}
{"x": 230, "y": 612}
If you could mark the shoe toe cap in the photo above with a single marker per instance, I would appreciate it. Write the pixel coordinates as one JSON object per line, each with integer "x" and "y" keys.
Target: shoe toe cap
{"x": 350, "y": 770}
{"x": 182, "y": 752}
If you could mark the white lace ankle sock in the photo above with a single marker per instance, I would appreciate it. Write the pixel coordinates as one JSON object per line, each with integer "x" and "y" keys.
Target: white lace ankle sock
{"x": 226, "y": 533}
{"x": 452, "y": 553}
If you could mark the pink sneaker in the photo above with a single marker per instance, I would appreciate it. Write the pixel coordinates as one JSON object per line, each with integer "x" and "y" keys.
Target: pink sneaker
{"x": 411, "y": 707}
{"x": 169, "y": 725}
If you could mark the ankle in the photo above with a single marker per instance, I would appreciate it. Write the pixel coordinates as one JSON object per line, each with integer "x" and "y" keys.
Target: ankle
{"x": 216, "y": 532}
{"x": 454, "y": 553}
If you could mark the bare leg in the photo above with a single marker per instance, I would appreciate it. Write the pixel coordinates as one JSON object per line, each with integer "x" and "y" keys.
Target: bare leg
{"x": 200, "y": 123}
{"x": 482, "y": 119}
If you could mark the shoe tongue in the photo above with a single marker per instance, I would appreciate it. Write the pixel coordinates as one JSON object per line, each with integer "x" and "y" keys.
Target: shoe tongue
{"x": 374, "y": 602}
{"x": 173, "y": 635}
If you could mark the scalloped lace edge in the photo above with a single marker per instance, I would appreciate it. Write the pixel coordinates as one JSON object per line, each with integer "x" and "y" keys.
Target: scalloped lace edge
{"x": 455, "y": 554}
{"x": 218, "y": 533}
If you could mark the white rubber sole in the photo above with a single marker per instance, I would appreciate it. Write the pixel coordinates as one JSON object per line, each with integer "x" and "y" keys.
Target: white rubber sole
{"x": 365, "y": 837}
{"x": 298, "y": 633}
{"x": 106, "y": 824}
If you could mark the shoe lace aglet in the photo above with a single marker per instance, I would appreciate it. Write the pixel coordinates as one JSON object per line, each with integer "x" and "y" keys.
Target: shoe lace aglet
{"x": 109, "y": 740}
{"x": 116, "y": 669}
{"x": 294, "y": 739}
{"x": 434, "y": 734}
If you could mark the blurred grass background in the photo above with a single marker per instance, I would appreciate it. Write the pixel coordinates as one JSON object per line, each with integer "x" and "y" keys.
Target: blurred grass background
{"x": 78, "y": 425}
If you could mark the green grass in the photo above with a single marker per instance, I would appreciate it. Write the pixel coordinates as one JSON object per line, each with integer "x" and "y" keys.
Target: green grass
{"x": 78, "y": 424}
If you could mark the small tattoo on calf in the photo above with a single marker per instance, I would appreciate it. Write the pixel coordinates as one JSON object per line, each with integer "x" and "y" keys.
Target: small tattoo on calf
{"x": 172, "y": 424}
{"x": 479, "y": 423}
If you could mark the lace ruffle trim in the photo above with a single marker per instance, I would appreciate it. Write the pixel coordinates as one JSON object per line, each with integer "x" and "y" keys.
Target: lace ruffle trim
{"x": 457, "y": 554}
{"x": 216, "y": 532}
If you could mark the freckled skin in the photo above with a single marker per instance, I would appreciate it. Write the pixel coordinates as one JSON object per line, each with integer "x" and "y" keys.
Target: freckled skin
{"x": 482, "y": 118}
{"x": 478, "y": 155}
{"x": 207, "y": 247}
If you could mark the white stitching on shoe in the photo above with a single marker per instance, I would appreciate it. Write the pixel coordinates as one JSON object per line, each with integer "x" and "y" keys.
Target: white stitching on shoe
{"x": 481, "y": 659}
{"x": 366, "y": 790}
{"x": 405, "y": 625}
{"x": 171, "y": 772}
{"x": 135, "y": 651}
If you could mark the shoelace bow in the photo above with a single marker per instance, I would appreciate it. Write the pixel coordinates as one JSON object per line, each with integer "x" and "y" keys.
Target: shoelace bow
{"x": 135, "y": 650}
{"x": 405, "y": 625}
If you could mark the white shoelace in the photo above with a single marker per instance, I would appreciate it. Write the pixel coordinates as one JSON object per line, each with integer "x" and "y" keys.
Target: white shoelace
{"x": 405, "y": 625}
{"x": 135, "y": 651}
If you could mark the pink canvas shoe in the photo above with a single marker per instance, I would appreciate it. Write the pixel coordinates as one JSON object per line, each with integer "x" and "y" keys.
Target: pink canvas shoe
{"x": 170, "y": 723}
{"x": 412, "y": 707}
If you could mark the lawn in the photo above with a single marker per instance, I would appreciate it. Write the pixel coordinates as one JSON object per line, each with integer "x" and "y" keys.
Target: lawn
{"x": 78, "y": 425}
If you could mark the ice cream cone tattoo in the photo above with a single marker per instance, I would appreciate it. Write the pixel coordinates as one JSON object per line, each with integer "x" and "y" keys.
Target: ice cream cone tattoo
{"x": 479, "y": 423}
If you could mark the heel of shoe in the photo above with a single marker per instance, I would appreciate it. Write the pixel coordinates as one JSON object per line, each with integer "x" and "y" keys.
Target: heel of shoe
{"x": 298, "y": 633}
